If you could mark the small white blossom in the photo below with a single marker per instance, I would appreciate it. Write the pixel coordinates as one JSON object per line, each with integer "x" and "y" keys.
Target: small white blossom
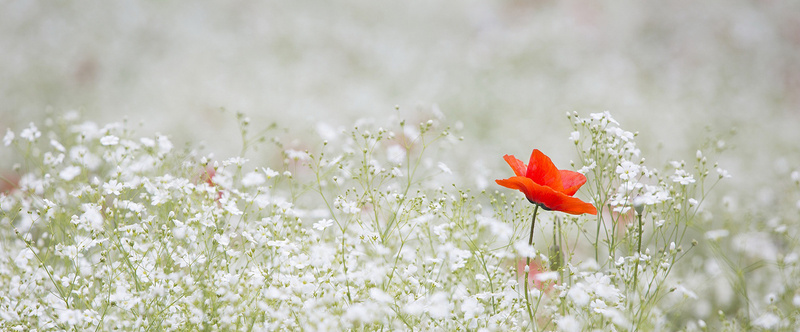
{"x": 716, "y": 234}
{"x": 55, "y": 144}
{"x": 112, "y": 187}
{"x": 296, "y": 155}
{"x": 269, "y": 172}
{"x": 253, "y": 179}
{"x": 767, "y": 321}
{"x": 575, "y": 136}
{"x": 148, "y": 142}
{"x": 627, "y": 170}
{"x": 8, "y": 138}
{"x": 109, "y": 140}
{"x": 323, "y": 224}
{"x": 682, "y": 177}
{"x": 31, "y": 133}
{"x": 164, "y": 144}
{"x": 444, "y": 168}
{"x": 69, "y": 173}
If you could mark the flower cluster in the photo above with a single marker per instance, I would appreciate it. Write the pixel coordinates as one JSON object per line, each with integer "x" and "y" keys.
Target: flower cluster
{"x": 356, "y": 229}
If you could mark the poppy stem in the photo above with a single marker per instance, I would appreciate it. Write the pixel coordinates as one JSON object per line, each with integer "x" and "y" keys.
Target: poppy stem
{"x": 528, "y": 267}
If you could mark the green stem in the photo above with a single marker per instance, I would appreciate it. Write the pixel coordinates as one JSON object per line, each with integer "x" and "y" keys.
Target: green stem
{"x": 528, "y": 267}
{"x": 639, "y": 251}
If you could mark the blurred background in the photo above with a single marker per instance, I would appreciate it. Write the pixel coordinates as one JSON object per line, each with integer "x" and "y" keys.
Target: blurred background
{"x": 679, "y": 72}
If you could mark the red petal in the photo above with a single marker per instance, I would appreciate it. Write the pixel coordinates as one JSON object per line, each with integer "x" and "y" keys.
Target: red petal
{"x": 573, "y": 205}
{"x": 517, "y": 165}
{"x": 542, "y": 171}
{"x": 572, "y": 181}
{"x": 547, "y": 197}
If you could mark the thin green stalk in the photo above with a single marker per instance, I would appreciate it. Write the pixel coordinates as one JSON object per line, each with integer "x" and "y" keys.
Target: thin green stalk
{"x": 528, "y": 267}
{"x": 639, "y": 251}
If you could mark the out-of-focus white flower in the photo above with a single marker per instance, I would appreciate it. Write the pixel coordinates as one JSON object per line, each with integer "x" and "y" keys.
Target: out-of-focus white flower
{"x": 109, "y": 140}
{"x": 148, "y": 142}
{"x": 296, "y": 155}
{"x": 724, "y": 173}
{"x": 8, "y": 138}
{"x": 55, "y": 144}
{"x": 767, "y": 321}
{"x": 568, "y": 323}
{"x": 345, "y": 206}
{"x": 716, "y": 234}
{"x": 269, "y": 172}
{"x": 323, "y": 224}
{"x": 69, "y": 173}
{"x": 31, "y": 133}
{"x": 23, "y": 257}
{"x": 253, "y": 179}
{"x": 164, "y": 144}
{"x": 682, "y": 177}
{"x": 444, "y": 168}
{"x": 575, "y": 136}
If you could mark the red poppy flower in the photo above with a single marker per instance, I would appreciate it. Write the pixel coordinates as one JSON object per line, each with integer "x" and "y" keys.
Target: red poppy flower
{"x": 547, "y": 186}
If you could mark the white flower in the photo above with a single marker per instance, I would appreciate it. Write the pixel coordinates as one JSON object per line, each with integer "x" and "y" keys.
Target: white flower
{"x": 767, "y": 321}
{"x": 345, "y": 206}
{"x": 31, "y": 133}
{"x": 568, "y": 323}
{"x": 587, "y": 168}
{"x": 222, "y": 239}
{"x": 717, "y": 234}
{"x": 69, "y": 173}
{"x": 253, "y": 179}
{"x": 444, "y": 168}
{"x": 148, "y": 142}
{"x": 323, "y": 224}
{"x": 682, "y": 177}
{"x": 23, "y": 257}
{"x": 57, "y": 146}
{"x": 627, "y": 170}
{"x": 680, "y": 289}
{"x": 724, "y": 173}
{"x": 471, "y": 308}
{"x": 109, "y": 140}
{"x": 164, "y": 144}
{"x": 269, "y": 172}
{"x": 296, "y": 155}
{"x": 91, "y": 219}
{"x": 112, "y": 187}
{"x": 575, "y": 136}
{"x": 51, "y": 160}
{"x": 8, "y": 138}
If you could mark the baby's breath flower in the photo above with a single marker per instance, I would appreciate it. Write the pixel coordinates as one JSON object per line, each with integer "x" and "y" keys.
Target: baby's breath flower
{"x": 8, "y": 138}
{"x": 682, "y": 177}
{"x": 323, "y": 224}
{"x": 444, "y": 168}
{"x": 69, "y": 173}
{"x": 253, "y": 179}
{"x": 109, "y": 140}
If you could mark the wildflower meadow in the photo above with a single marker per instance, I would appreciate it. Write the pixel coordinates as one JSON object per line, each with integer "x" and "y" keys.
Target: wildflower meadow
{"x": 399, "y": 166}
{"x": 367, "y": 229}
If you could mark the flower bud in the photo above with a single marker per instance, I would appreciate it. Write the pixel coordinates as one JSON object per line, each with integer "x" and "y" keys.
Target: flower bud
{"x": 638, "y": 205}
